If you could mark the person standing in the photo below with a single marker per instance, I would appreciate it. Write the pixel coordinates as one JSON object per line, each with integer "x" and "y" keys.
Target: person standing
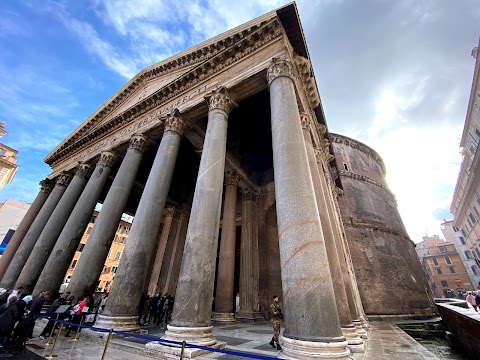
{"x": 477, "y": 300}
{"x": 471, "y": 300}
{"x": 36, "y": 308}
{"x": 276, "y": 317}
{"x": 8, "y": 314}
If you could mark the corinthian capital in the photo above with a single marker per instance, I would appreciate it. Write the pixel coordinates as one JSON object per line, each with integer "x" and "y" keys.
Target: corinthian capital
{"x": 83, "y": 170}
{"x": 107, "y": 158}
{"x": 138, "y": 142}
{"x": 63, "y": 179}
{"x": 220, "y": 99}
{"x": 175, "y": 122}
{"x": 231, "y": 178}
{"x": 46, "y": 185}
{"x": 279, "y": 67}
{"x": 249, "y": 195}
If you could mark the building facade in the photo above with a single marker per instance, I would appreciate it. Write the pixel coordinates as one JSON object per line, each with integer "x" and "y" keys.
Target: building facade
{"x": 222, "y": 155}
{"x": 444, "y": 268}
{"x": 8, "y": 159}
{"x": 466, "y": 198}
{"x": 11, "y": 214}
{"x": 471, "y": 264}
{"x": 113, "y": 257}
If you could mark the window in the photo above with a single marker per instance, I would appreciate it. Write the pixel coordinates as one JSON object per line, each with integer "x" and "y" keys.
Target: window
{"x": 88, "y": 230}
{"x": 439, "y": 271}
{"x": 470, "y": 221}
{"x": 464, "y": 233}
{"x": 475, "y": 211}
{"x": 93, "y": 219}
{"x": 117, "y": 255}
{"x": 119, "y": 227}
{"x": 123, "y": 240}
{"x": 117, "y": 238}
{"x": 113, "y": 270}
{"x": 126, "y": 230}
{"x": 472, "y": 217}
{"x": 444, "y": 283}
{"x": 474, "y": 270}
{"x": 345, "y": 166}
{"x": 72, "y": 265}
{"x": 462, "y": 240}
{"x": 447, "y": 260}
{"x": 468, "y": 254}
{"x": 104, "y": 269}
{"x": 478, "y": 252}
{"x": 452, "y": 269}
{"x": 109, "y": 252}
{"x": 442, "y": 248}
{"x": 80, "y": 247}
{"x": 475, "y": 255}
{"x": 455, "y": 229}
{"x": 435, "y": 262}
{"x": 2, "y": 152}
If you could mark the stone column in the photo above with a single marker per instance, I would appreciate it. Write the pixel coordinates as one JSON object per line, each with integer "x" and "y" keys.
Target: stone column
{"x": 121, "y": 310}
{"x": 90, "y": 265}
{"x": 355, "y": 343}
{"x": 249, "y": 265}
{"x": 30, "y": 238}
{"x": 49, "y": 235}
{"x": 62, "y": 254}
{"x": 224, "y": 301}
{"x": 153, "y": 286}
{"x": 192, "y": 311}
{"x": 312, "y": 327}
{"x": 168, "y": 280}
{"x": 32, "y": 212}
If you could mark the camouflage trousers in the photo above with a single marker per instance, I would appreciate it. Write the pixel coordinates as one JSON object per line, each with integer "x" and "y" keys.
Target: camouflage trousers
{"x": 276, "y": 330}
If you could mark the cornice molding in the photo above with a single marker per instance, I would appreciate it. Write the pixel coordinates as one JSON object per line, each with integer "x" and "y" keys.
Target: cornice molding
{"x": 211, "y": 60}
{"x": 368, "y": 180}
{"x": 339, "y": 139}
{"x": 305, "y": 72}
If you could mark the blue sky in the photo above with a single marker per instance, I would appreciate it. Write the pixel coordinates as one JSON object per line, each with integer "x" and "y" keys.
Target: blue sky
{"x": 395, "y": 75}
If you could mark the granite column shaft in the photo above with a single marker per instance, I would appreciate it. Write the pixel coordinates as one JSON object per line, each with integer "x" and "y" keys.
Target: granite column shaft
{"x": 90, "y": 265}
{"x": 311, "y": 317}
{"x": 224, "y": 301}
{"x": 21, "y": 231}
{"x": 57, "y": 264}
{"x": 54, "y": 226}
{"x": 126, "y": 291}
{"x": 31, "y": 237}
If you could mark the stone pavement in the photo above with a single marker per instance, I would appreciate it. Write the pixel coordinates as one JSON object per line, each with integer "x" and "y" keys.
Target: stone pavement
{"x": 386, "y": 341}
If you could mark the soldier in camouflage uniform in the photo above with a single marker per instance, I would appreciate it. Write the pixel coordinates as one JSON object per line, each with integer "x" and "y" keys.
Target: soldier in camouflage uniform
{"x": 276, "y": 317}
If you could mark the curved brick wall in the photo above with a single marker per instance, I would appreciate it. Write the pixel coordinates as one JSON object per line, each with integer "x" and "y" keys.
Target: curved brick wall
{"x": 389, "y": 275}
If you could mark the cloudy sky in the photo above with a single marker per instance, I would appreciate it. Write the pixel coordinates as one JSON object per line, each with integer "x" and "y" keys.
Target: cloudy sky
{"x": 395, "y": 75}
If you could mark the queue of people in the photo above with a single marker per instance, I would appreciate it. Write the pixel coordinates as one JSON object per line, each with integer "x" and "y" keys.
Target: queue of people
{"x": 156, "y": 309}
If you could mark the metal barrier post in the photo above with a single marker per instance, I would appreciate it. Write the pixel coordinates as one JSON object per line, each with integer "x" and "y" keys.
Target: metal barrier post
{"x": 79, "y": 328}
{"x": 51, "y": 356}
{"x": 52, "y": 331}
{"x": 183, "y": 350}
{"x": 106, "y": 344}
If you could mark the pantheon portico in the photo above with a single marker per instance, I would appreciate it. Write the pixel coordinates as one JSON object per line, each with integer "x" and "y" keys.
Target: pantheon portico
{"x": 222, "y": 155}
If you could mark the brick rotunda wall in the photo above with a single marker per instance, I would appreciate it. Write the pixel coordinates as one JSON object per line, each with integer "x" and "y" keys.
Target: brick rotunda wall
{"x": 389, "y": 275}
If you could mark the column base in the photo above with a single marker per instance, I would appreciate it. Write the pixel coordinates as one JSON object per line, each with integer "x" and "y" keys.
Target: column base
{"x": 249, "y": 316}
{"x": 355, "y": 342}
{"x": 223, "y": 317}
{"x": 312, "y": 350}
{"x": 360, "y": 329}
{"x": 120, "y": 323}
{"x": 191, "y": 335}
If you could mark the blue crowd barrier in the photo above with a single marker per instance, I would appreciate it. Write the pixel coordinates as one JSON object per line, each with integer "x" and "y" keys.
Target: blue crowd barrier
{"x": 162, "y": 340}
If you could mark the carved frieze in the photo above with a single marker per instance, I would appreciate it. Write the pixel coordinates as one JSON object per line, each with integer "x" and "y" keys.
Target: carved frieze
{"x": 176, "y": 122}
{"x": 334, "y": 173}
{"x": 83, "y": 170}
{"x": 305, "y": 120}
{"x": 64, "y": 179}
{"x": 278, "y": 68}
{"x": 220, "y": 99}
{"x": 139, "y": 142}
{"x": 107, "y": 158}
{"x": 231, "y": 178}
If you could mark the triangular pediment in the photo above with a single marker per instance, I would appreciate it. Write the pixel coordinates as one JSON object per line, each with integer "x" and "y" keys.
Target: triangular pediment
{"x": 170, "y": 77}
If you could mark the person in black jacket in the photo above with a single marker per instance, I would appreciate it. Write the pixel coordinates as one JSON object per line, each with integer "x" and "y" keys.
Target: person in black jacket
{"x": 36, "y": 308}
{"x": 8, "y": 315}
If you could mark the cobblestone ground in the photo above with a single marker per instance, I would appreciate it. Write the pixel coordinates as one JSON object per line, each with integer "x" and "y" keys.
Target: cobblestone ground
{"x": 442, "y": 349}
